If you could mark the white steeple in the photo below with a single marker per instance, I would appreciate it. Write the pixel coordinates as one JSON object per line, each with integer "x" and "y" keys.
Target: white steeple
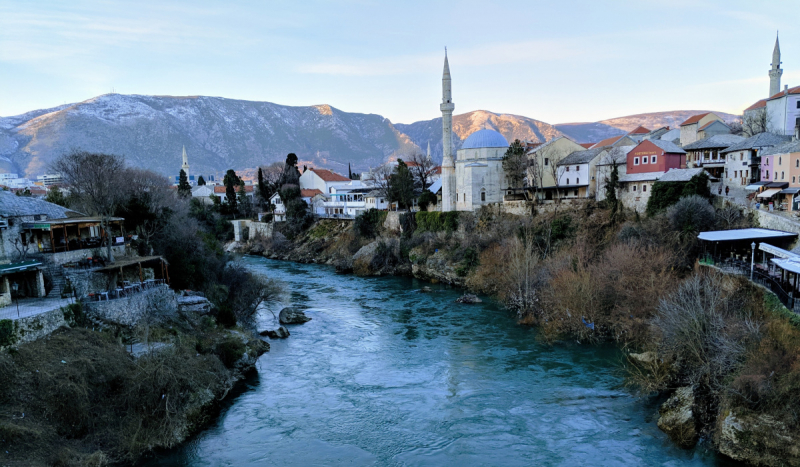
{"x": 448, "y": 163}
{"x": 185, "y": 165}
{"x": 775, "y": 72}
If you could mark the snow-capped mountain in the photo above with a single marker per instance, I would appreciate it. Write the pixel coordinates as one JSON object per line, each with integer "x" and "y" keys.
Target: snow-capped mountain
{"x": 224, "y": 133}
{"x": 218, "y": 134}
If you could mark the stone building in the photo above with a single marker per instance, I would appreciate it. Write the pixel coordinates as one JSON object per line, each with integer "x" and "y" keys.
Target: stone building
{"x": 544, "y": 172}
{"x": 707, "y": 153}
{"x": 743, "y": 159}
{"x": 693, "y": 125}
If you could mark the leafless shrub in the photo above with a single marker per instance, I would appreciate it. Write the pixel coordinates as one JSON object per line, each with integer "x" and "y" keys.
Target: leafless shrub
{"x": 702, "y": 331}
{"x": 247, "y": 291}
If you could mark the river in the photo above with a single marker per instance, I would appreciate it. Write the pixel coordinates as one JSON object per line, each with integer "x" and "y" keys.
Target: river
{"x": 387, "y": 375}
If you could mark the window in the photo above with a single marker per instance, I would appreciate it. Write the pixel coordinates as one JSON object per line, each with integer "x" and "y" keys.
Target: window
{"x": 767, "y": 177}
{"x": 567, "y": 181}
{"x": 644, "y": 187}
{"x": 780, "y": 160}
{"x": 782, "y": 175}
{"x": 653, "y": 160}
{"x": 567, "y": 168}
{"x": 633, "y": 188}
{"x": 483, "y": 196}
{"x": 576, "y": 192}
{"x": 767, "y": 161}
{"x": 546, "y": 161}
{"x": 735, "y": 173}
{"x": 578, "y": 181}
{"x": 577, "y": 168}
{"x": 741, "y": 156}
{"x": 635, "y": 161}
{"x": 644, "y": 160}
{"x": 798, "y": 104}
{"x": 797, "y": 162}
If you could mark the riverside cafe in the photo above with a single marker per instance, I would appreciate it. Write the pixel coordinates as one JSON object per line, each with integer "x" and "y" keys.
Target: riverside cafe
{"x": 765, "y": 250}
{"x": 73, "y": 233}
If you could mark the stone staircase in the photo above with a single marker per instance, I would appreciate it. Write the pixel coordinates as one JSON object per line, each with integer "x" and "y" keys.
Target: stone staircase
{"x": 59, "y": 281}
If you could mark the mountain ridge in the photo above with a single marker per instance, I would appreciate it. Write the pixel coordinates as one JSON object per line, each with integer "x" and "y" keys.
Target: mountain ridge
{"x": 221, "y": 133}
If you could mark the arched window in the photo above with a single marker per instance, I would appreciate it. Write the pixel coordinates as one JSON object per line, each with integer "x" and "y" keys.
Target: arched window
{"x": 483, "y": 195}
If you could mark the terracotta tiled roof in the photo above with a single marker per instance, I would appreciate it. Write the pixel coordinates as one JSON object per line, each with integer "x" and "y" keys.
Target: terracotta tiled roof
{"x": 758, "y": 105}
{"x": 586, "y": 145}
{"x": 639, "y": 131}
{"x": 694, "y": 119}
{"x": 794, "y": 90}
{"x": 221, "y": 188}
{"x": 606, "y": 142}
{"x": 329, "y": 176}
{"x": 310, "y": 193}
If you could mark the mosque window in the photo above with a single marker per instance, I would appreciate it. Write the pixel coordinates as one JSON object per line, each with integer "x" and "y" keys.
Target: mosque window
{"x": 483, "y": 196}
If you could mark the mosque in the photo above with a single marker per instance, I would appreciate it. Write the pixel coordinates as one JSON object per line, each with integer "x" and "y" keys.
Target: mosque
{"x": 475, "y": 176}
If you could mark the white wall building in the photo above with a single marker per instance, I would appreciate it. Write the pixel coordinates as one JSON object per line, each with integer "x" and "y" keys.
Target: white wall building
{"x": 322, "y": 179}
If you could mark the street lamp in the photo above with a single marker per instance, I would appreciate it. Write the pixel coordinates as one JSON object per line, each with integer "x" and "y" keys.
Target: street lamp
{"x": 752, "y": 259}
{"x": 14, "y": 289}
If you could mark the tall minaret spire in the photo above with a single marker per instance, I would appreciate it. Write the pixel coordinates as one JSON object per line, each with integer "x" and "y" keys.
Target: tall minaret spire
{"x": 775, "y": 72}
{"x": 429, "y": 150}
{"x": 448, "y": 163}
{"x": 185, "y": 165}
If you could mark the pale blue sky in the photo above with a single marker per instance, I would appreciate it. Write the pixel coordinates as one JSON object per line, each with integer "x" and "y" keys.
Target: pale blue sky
{"x": 556, "y": 61}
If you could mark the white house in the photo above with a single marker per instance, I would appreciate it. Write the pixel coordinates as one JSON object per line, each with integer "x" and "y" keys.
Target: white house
{"x": 322, "y": 179}
{"x": 577, "y": 173}
{"x": 783, "y": 111}
{"x": 375, "y": 200}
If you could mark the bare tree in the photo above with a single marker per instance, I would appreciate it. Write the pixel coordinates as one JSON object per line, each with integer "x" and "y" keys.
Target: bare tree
{"x": 272, "y": 176}
{"x": 420, "y": 167}
{"x": 755, "y": 122}
{"x": 381, "y": 177}
{"x": 95, "y": 182}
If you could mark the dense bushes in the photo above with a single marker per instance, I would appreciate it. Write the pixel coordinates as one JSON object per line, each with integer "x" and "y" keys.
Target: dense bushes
{"x": 369, "y": 223}
{"x": 437, "y": 221}
{"x": 665, "y": 194}
{"x": 691, "y": 214}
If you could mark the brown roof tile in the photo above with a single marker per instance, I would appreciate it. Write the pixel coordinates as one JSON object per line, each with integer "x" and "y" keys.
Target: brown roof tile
{"x": 639, "y": 131}
{"x": 310, "y": 193}
{"x": 221, "y": 188}
{"x": 758, "y": 105}
{"x": 694, "y": 119}
{"x": 606, "y": 142}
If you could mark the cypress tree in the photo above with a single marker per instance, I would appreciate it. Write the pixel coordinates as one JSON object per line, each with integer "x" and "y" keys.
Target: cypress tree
{"x": 201, "y": 181}
{"x": 184, "y": 189}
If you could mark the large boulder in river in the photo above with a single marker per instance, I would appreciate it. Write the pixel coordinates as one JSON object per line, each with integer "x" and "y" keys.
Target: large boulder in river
{"x": 280, "y": 333}
{"x": 756, "y": 438}
{"x": 677, "y": 418}
{"x": 292, "y": 315}
{"x": 468, "y": 299}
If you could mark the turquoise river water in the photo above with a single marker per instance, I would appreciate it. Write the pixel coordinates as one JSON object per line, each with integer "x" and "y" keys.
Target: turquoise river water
{"x": 387, "y": 375}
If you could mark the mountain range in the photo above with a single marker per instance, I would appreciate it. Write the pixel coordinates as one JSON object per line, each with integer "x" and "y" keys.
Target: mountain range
{"x": 220, "y": 133}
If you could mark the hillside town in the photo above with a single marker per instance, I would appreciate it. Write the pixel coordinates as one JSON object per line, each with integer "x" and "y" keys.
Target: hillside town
{"x": 557, "y": 231}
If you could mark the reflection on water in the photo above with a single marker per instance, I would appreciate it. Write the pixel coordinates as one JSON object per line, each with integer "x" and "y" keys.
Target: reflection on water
{"x": 387, "y": 375}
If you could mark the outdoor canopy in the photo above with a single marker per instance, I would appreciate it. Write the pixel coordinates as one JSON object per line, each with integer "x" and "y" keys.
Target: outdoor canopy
{"x": 743, "y": 234}
{"x": 755, "y": 186}
{"x": 790, "y": 191}
{"x": 769, "y": 193}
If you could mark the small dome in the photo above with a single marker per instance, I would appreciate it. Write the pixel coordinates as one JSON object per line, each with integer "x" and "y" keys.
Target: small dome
{"x": 485, "y": 139}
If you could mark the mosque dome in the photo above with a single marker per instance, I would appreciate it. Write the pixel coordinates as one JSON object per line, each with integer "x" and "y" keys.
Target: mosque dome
{"x": 485, "y": 139}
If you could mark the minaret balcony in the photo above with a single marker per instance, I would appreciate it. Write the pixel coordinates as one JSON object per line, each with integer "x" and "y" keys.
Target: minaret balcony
{"x": 445, "y": 107}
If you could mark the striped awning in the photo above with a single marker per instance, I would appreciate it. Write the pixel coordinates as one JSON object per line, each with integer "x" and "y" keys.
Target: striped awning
{"x": 769, "y": 193}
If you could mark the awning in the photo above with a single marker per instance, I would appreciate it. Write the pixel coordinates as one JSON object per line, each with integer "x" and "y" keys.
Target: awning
{"x": 769, "y": 193}
{"x": 790, "y": 191}
{"x": 777, "y": 185}
{"x": 779, "y": 252}
{"x": 791, "y": 265}
{"x": 743, "y": 234}
{"x": 18, "y": 267}
{"x": 755, "y": 186}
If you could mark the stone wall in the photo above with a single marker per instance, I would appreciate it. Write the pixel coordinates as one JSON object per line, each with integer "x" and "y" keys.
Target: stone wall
{"x": 765, "y": 219}
{"x": 128, "y": 311}
{"x": 392, "y": 221}
{"x": 252, "y": 227}
{"x": 77, "y": 255}
{"x": 34, "y": 327}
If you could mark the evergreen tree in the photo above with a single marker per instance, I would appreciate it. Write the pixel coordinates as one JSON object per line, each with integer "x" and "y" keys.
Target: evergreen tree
{"x": 262, "y": 187}
{"x": 231, "y": 180}
{"x": 515, "y": 164}
{"x": 349, "y": 172}
{"x": 56, "y": 196}
{"x": 402, "y": 185}
{"x": 242, "y": 200}
{"x": 184, "y": 189}
{"x": 201, "y": 181}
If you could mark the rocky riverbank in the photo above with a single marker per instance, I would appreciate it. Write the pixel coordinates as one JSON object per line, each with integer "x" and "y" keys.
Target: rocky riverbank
{"x": 100, "y": 393}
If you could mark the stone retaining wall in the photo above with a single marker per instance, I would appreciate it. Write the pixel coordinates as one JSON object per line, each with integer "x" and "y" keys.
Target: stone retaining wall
{"x": 128, "y": 311}
{"x": 252, "y": 227}
{"x": 765, "y": 219}
{"x": 33, "y": 327}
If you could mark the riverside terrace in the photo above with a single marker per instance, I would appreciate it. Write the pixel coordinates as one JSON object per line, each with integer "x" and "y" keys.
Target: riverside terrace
{"x": 760, "y": 254}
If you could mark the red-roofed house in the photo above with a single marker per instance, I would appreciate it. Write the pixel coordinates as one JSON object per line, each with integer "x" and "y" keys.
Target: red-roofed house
{"x": 640, "y": 130}
{"x": 615, "y": 141}
{"x": 322, "y": 180}
{"x": 692, "y": 125}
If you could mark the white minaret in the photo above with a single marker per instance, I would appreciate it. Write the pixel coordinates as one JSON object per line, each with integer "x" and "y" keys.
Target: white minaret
{"x": 775, "y": 72}
{"x": 185, "y": 165}
{"x": 429, "y": 150}
{"x": 448, "y": 164}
